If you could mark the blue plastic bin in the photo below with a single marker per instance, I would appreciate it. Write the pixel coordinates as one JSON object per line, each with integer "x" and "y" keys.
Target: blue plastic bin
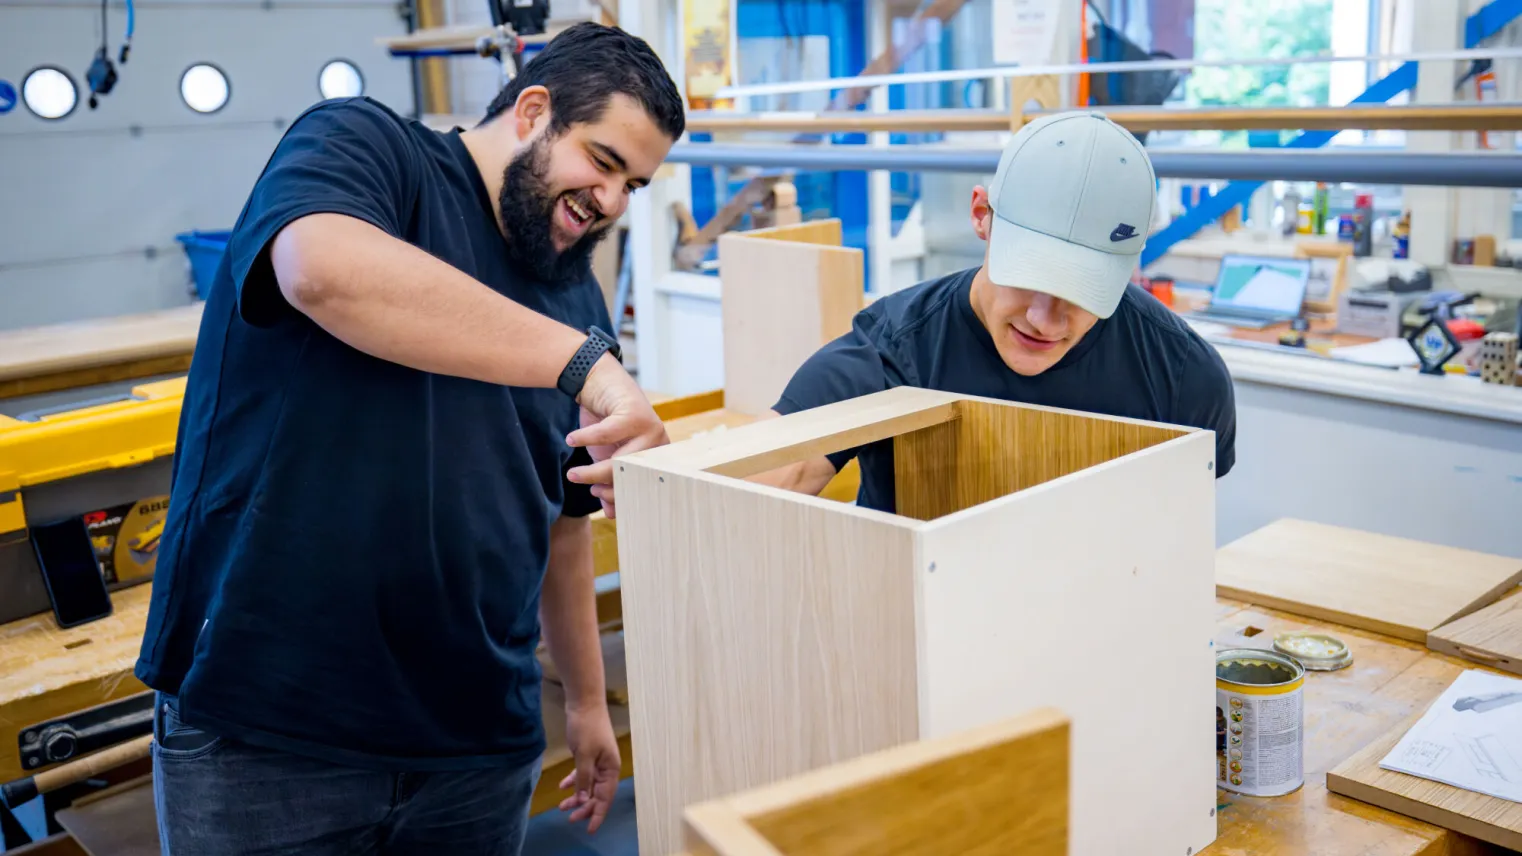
{"x": 205, "y": 251}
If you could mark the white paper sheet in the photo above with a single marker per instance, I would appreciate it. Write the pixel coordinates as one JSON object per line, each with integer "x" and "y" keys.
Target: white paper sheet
{"x": 1391, "y": 353}
{"x": 1470, "y": 738}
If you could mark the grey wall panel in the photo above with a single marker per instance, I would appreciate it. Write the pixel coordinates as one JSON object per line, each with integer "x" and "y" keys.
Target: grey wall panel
{"x": 79, "y": 193}
{"x": 74, "y": 202}
{"x": 92, "y": 288}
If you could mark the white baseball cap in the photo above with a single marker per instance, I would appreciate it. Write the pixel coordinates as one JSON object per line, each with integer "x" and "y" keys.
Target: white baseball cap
{"x": 1073, "y": 200}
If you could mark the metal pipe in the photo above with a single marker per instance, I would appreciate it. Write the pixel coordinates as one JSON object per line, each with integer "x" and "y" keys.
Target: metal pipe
{"x": 1012, "y": 71}
{"x": 1461, "y": 169}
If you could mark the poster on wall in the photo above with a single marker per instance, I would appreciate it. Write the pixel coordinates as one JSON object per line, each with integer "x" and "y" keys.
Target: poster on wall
{"x": 1025, "y": 31}
{"x": 705, "y": 46}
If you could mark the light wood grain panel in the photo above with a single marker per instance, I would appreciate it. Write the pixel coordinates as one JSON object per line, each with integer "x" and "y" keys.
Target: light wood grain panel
{"x": 992, "y": 450}
{"x": 1091, "y": 595}
{"x": 824, "y": 232}
{"x": 756, "y": 447}
{"x": 1474, "y": 814}
{"x": 782, "y": 300}
{"x": 47, "y": 672}
{"x": 1396, "y": 586}
{"x": 1492, "y": 636}
{"x": 999, "y": 789}
{"x": 739, "y": 674}
{"x": 98, "y": 342}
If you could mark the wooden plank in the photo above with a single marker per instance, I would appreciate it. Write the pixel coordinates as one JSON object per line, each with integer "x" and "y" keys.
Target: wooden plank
{"x": 119, "y": 821}
{"x": 913, "y": 800}
{"x": 1492, "y": 636}
{"x": 754, "y": 448}
{"x": 823, "y": 232}
{"x": 1132, "y": 612}
{"x": 1135, "y": 119}
{"x": 769, "y": 663}
{"x": 97, "y": 350}
{"x": 94, "y": 376}
{"x": 1472, "y": 813}
{"x": 958, "y": 464}
{"x": 782, "y": 300}
{"x": 670, "y": 409}
{"x": 46, "y": 672}
{"x": 1396, "y": 586}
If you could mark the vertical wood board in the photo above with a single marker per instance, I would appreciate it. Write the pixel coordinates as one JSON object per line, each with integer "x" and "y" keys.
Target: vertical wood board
{"x": 1396, "y": 586}
{"x": 1477, "y": 815}
{"x": 950, "y": 467}
{"x": 782, "y": 300}
{"x": 766, "y": 636}
{"x": 1492, "y": 636}
{"x": 1091, "y": 594}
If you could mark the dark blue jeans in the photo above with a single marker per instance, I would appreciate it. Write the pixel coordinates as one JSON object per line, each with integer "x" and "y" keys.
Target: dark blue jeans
{"x": 220, "y": 797}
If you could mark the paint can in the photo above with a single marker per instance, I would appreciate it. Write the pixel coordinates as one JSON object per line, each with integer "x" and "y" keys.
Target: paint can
{"x": 1260, "y": 722}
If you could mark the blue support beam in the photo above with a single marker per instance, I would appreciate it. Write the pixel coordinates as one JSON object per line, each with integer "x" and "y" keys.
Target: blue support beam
{"x": 1490, "y": 20}
{"x": 1479, "y": 27}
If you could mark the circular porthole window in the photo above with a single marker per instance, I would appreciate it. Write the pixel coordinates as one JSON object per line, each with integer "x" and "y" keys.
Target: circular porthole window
{"x": 340, "y": 79}
{"x": 204, "y": 88}
{"x": 49, "y": 93}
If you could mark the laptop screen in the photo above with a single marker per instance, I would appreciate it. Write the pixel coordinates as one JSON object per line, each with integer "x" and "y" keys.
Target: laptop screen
{"x": 1261, "y": 283}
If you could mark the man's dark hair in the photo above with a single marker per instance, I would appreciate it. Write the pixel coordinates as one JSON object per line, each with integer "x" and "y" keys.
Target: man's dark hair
{"x": 584, "y": 67}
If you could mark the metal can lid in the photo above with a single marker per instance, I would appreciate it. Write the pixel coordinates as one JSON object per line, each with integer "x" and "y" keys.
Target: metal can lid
{"x": 1318, "y": 652}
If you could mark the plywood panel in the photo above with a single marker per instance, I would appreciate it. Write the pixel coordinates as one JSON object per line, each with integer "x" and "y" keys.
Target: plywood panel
{"x": 782, "y": 300}
{"x": 777, "y": 673}
{"x": 960, "y": 464}
{"x": 1396, "y": 586}
{"x": 1090, "y": 594}
{"x": 919, "y": 799}
{"x": 1474, "y": 814}
{"x": 1492, "y": 636}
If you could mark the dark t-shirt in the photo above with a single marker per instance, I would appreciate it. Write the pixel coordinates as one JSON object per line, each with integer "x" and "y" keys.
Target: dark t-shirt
{"x": 353, "y": 557}
{"x": 1143, "y": 362}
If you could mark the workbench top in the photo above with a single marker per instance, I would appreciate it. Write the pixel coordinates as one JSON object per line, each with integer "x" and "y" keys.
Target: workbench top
{"x": 45, "y": 673}
{"x": 98, "y": 350}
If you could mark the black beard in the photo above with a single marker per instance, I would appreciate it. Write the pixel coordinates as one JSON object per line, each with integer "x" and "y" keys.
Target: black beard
{"x": 527, "y": 209}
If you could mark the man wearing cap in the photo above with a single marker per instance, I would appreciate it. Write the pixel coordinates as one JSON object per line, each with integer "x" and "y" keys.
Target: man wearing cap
{"x": 1049, "y": 318}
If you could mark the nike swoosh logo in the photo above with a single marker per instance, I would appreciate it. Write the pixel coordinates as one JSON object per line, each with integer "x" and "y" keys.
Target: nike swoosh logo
{"x": 1123, "y": 232}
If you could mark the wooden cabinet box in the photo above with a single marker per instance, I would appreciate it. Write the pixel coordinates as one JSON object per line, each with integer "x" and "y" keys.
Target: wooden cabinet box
{"x": 1039, "y": 558}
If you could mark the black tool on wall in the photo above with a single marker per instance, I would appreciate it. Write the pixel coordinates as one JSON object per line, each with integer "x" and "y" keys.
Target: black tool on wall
{"x": 102, "y": 74}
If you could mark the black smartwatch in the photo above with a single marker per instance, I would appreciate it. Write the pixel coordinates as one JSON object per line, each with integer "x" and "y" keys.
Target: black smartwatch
{"x": 574, "y": 375}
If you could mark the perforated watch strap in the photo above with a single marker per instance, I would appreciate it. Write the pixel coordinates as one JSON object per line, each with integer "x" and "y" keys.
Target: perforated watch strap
{"x": 574, "y": 375}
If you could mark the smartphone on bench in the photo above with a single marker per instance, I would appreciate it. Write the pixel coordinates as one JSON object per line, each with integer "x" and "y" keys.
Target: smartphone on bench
{"x": 70, "y": 571}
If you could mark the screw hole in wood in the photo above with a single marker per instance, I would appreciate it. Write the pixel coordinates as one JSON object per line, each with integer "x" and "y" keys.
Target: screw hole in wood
{"x": 77, "y": 644}
{"x": 1251, "y": 631}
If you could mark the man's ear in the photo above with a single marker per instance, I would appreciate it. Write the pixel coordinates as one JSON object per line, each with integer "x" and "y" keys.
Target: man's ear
{"x": 531, "y": 111}
{"x": 982, "y": 212}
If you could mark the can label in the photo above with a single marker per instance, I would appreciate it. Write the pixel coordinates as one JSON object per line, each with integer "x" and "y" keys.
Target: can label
{"x": 1259, "y": 723}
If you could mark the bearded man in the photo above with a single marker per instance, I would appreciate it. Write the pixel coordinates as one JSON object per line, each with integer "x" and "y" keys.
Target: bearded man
{"x": 401, "y": 410}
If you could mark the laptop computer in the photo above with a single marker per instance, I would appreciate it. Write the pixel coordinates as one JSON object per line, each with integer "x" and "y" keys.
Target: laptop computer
{"x": 1256, "y": 291}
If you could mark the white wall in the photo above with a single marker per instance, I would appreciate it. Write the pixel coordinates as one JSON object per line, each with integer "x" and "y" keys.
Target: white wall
{"x": 90, "y": 204}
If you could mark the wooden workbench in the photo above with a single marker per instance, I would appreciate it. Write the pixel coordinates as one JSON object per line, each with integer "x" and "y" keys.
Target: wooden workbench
{"x": 1389, "y": 680}
{"x": 101, "y": 350}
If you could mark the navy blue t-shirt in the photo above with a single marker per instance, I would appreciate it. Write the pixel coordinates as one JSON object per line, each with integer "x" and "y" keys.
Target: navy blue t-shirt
{"x": 1142, "y": 362}
{"x": 353, "y": 557}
